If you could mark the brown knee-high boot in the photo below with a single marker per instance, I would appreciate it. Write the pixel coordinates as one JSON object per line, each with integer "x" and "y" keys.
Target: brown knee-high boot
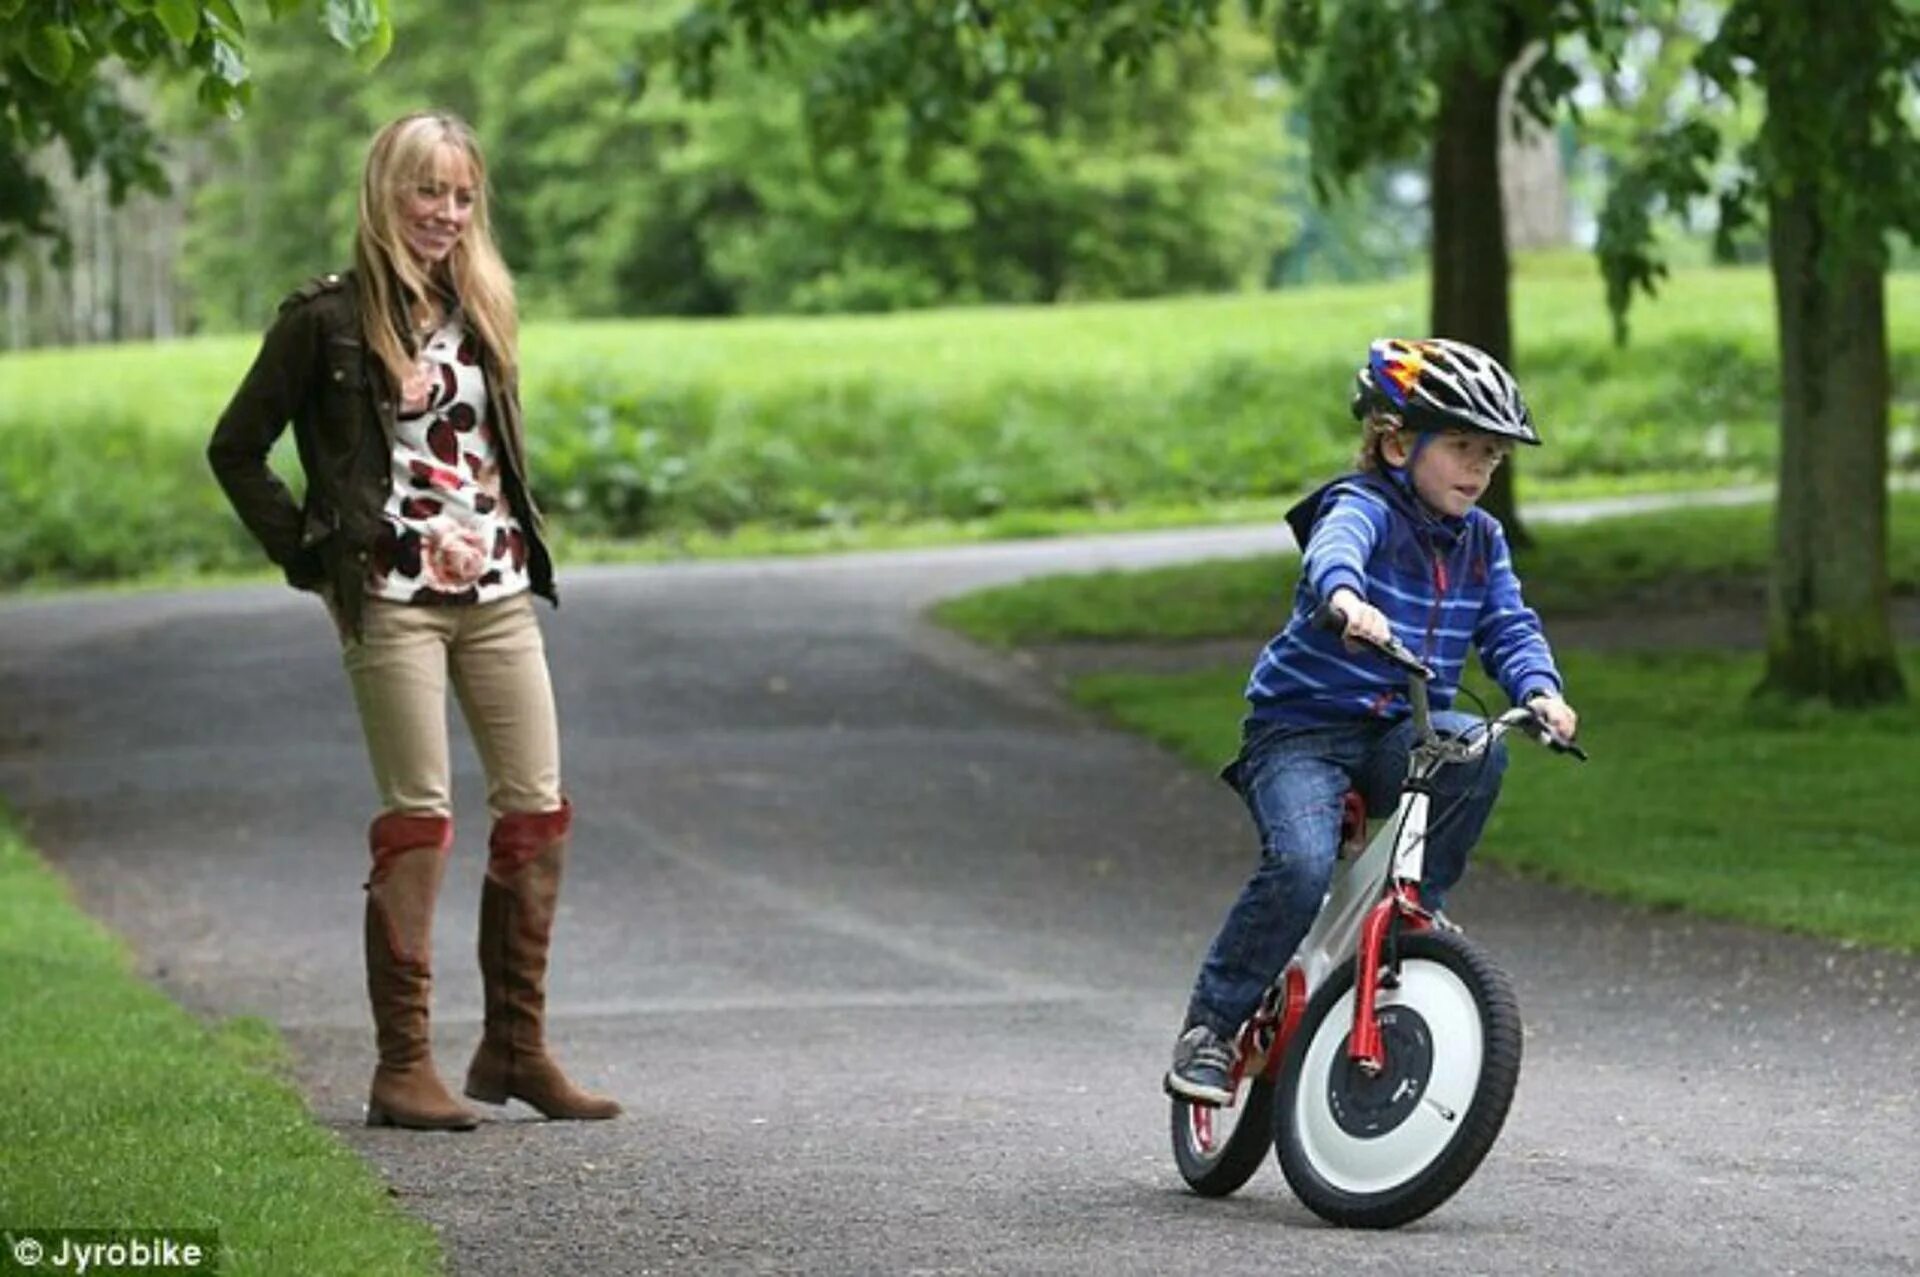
{"x": 526, "y": 855}
{"x": 409, "y": 857}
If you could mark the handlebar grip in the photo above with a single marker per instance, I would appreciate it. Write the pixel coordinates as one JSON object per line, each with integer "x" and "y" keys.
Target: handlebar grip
{"x": 1393, "y": 651}
{"x": 1537, "y": 728}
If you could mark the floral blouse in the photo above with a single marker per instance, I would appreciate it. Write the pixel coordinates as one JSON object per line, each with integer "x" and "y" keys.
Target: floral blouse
{"x": 448, "y": 535}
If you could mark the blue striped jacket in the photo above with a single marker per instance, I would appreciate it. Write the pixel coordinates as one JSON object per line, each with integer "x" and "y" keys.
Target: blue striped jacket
{"x": 1444, "y": 584}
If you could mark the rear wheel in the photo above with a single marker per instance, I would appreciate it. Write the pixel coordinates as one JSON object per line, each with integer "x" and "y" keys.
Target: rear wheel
{"x": 1219, "y": 1149}
{"x": 1378, "y": 1151}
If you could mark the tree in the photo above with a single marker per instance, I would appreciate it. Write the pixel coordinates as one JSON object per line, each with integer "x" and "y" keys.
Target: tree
{"x": 1834, "y": 169}
{"x": 1382, "y": 79}
{"x": 1065, "y": 184}
{"x": 62, "y": 64}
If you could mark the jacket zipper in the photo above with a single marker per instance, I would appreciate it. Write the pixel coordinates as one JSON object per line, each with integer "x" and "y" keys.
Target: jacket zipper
{"x": 1440, "y": 595}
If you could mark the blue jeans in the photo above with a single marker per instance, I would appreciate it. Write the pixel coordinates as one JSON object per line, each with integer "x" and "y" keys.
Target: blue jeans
{"x": 1293, "y": 780}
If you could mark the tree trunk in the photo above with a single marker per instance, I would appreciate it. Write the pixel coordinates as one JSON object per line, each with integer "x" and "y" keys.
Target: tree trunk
{"x": 1829, "y": 633}
{"x": 1829, "y": 636}
{"x": 1471, "y": 300}
{"x": 1533, "y": 179}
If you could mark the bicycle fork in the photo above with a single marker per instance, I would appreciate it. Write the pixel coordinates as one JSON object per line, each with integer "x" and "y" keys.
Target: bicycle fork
{"x": 1400, "y": 905}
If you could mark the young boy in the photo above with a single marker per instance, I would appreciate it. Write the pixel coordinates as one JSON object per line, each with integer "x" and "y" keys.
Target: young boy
{"x": 1396, "y": 548}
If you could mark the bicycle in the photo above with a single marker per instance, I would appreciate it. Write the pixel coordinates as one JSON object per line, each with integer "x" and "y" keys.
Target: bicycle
{"x": 1381, "y": 1063}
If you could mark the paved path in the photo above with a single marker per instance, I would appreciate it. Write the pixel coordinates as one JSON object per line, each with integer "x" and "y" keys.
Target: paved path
{"x": 884, "y": 948}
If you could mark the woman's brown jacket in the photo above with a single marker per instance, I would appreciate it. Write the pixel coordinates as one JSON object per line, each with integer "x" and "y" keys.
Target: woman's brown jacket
{"x": 315, "y": 370}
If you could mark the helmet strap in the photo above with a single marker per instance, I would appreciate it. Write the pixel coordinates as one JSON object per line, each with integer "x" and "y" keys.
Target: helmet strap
{"x": 1420, "y": 440}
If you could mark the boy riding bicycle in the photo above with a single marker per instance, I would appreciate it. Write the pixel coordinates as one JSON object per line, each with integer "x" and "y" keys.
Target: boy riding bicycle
{"x": 1398, "y": 549}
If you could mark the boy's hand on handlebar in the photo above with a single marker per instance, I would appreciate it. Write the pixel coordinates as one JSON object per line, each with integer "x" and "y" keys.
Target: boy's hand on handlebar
{"x": 1556, "y": 714}
{"x": 1363, "y": 620}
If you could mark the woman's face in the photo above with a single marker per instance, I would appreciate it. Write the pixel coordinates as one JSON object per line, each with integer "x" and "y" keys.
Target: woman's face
{"x": 435, "y": 210}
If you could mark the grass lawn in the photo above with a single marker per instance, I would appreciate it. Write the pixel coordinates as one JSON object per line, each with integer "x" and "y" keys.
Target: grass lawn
{"x": 122, "y": 1111}
{"x": 1693, "y": 800}
{"x": 1678, "y": 560}
{"x": 765, "y": 434}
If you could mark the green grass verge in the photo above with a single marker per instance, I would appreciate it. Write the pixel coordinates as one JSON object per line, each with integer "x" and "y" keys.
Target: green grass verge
{"x": 1696, "y": 798}
{"x": 755, "y": 540}
{"x": 121, "y": 1111}
{"x": 982, "y": 418}
{"x": 1677, "y": 560}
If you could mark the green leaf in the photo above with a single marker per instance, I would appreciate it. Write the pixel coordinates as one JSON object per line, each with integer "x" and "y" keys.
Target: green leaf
{"x": 181, "y": 18}
{"x": 10, "y": 7}
{"x": 229, "y": 16}
{"x": 49, "y": 53}
{"x": 278, "y": 9}
{"x": 227, "y": 63}
{"x": 129, "y": 42}
{"x": 138, "y": 8}
{"x": 374, "y": 51}
{"x": 354, "y": 23}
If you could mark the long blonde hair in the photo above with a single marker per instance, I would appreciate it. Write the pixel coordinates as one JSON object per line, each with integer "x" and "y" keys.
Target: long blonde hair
{"x": 391, "y": 281}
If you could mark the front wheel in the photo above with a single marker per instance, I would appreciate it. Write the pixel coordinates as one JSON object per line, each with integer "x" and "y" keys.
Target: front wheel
{"x": 1379, "y": 1151}
{"x": 1219, "y": 1149}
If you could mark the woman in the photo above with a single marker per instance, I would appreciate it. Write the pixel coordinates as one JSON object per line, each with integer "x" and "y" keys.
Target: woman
{"x": 419, "y": 533}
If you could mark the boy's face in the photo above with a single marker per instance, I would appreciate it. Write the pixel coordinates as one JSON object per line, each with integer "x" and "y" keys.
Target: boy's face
{"x": 1453, "y": 470}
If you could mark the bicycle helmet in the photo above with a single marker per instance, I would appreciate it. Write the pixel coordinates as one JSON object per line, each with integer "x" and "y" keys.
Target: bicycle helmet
{"x": 1437, "y": 384}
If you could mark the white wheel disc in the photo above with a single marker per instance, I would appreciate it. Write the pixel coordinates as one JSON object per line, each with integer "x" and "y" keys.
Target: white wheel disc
{"x": 1419, "y": 1111}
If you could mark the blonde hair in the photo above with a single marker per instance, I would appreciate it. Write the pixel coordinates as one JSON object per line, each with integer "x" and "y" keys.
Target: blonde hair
{"x": 1376, "y": 428}
{"x": 391, "y": 281}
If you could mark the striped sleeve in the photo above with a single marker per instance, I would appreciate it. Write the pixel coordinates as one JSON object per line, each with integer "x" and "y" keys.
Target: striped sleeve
{"x": 1343, "y": 539}
{"x": 1513, "y": 647}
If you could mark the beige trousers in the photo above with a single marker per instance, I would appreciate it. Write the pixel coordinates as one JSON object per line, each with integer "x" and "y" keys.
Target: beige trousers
{"x": 497, "y": 661}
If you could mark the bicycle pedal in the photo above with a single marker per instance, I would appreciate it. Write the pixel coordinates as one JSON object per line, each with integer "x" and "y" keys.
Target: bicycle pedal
{"x": 1197, "y": 1101}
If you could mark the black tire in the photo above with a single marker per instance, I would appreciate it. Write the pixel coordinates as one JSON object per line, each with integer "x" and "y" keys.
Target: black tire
{"x": 1379, "y": 1152}
{"x": 1233, "y": 1157}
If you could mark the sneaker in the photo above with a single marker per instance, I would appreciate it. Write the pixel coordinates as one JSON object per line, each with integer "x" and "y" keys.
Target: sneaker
{"x": 1202, "y": 1067}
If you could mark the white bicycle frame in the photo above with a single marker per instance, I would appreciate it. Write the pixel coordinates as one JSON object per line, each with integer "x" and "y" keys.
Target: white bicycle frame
{"x": 1368, "y": 894}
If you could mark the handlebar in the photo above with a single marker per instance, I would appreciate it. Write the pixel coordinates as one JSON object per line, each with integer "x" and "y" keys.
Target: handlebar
{"x": 1530, "y": 723}
{"x": 1393, "y": 651}
{"x": 1401, "y": 657}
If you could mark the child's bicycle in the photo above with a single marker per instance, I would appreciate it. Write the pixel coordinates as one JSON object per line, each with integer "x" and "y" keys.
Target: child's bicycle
{"x": 1381, "y": 1063}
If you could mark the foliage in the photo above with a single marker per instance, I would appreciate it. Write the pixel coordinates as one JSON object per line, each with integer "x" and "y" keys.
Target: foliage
{"x": 1061, "y": 186}
{"x": 63, "y": 67}
{"x": 1371, "y": 71}
{"x": 842, "y": 424}
{"x": 109, "y": 498}
{"x": 1806, "y": 142}
{"x": 933, "y": 59}
{"x": 938, "y": 60}
{"x": 1695, "y": 799}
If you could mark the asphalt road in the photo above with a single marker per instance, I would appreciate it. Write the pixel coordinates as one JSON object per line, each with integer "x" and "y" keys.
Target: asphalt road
{"x": 884, "y": 948}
